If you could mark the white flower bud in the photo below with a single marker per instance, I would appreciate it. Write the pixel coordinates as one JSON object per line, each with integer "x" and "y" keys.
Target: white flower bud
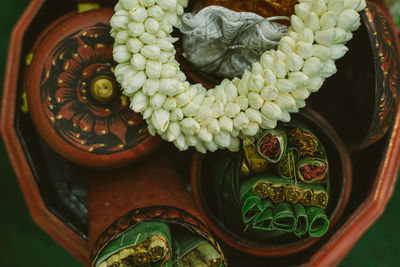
{"x": 179, "y": 10}
{"x": 269, "y": 93}
{"x": 271, "y": 110}
{"x": 167, "y": 56}
{"x": 160, "y": 120}
{"x": 319, "y": 7}
{"x": 222, "y": 139}
{"x": 315, "y": 84}
{"x": 303, "y": 49}
{"x": 182, "y": 99}
{"x": 254, "y": 115}
{"x": 150, "y": 86}
{"x": 190, "y": 126}
{"x": 199, "y": 98}
{"x": 122, "y": 37}
{"x": 338, "y": 51}
{"x": 286, "y": 45}
{"x": 279, "y": 69}
{"x": 170, "y": 87}
{"x": 200, "y": 147}
{"x": 150, "y": 127}
{"x": 139, "y": 102}
{"x": 284, "y": 85}
{"x": 268, "y": 123}
{"x": 312, "y": 21}
{"x": 176, "y": 115}
{"x": 138, "y": 14}
{"x": 148, "y": 38}
{"x": 241, "y": 121}
{"x": 172, "y": 18}
{"x": 119, "y": 21}
{"x": 165, "y": 45}
{"x": 231, "y": 109}
{"x": 296, "y": 23}
{"x": 174, "y": 129}
{"x": 279, "y": 55}
{"x": 128, "y": 4}
{"x": 151, "y": 52}
{"x": 251, "y": 129}
{"x": 321, "y": 52}
{"x": 294, "y": 62}
{"x": 336, "y": 6}
{"x": 226, "y": 124}
{"x": 155, "y": 12}
{"x": 307, "y": 36}
{"x": 135, "y": 83}
{"x": 165, "y": 25}
{"x": 325, "y": 37}
{"x": 312, "y": 66}
{"x": 234, "y": 145}
{"x": 204, "y": 135}
{"x": 348, "y": 20}
{"x": 134, "y": 45}
{"x": 217, "y": 109}
{"x": 235, "y": 132}
{"x": 118, "y": 6}
{"x": 257, "y": 68}
{"x": 214, "y": 127}
{"x": 243, "y": 87}
{"x": 138, "y": 62}
{"x": 328, "y": 69}
{"x": 267, "y": 60}
{"x": 157, "y": 101}
{"x": 362, "y": 6}
{"x": 230, "y": 91}
{"x": 220, "y": 94}
{"x": 148, "y": 111}
{"x": 147, "y": 3}
{"x": 285, "y": 101}
{"x": 169, "y": 70}
{"x": 300, "y": 93}
{"x": 298, "y": 78}
{"x": 167, "y": 4}
{"x": 242, "y": 101}
{"x": 190, "y": 110}
{"x": 121, "y": 54}
{"x": 255, "y": 100}
{"x": 204, "y": 115}
{"x": 121, "y": 70}
{"x": 302, "y": 10}
{"x": 285, "y": 116}
{"x": 180, "y": 142}
{"x": 256, "y": 83}
{"x": 127, "y": 78}
{"x": 135, "y": 28}
{"x": 328, "y": 20}
{"x": 270, "y": 78}
{"x": 153, "y": 69}
{"x": 211, "y": 146}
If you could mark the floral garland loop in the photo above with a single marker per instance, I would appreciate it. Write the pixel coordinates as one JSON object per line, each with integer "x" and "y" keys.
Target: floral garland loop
{"x": 188, "y": 114}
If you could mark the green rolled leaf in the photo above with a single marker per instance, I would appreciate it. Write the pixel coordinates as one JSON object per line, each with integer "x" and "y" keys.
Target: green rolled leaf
{"x": 283, "y": 217}
{"x": 264, "y": 220}
{"x": 271, "y": 145}
{"x": 286, "y": 168}
{"x": 312, "y": 170}
{"x": 301, "y": 220}
{"x": 318, "y": 221}
{"x": 252, "y": 207}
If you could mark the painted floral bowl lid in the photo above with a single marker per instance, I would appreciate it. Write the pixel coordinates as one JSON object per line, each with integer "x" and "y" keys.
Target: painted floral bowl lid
{"x": 74, "y": 100}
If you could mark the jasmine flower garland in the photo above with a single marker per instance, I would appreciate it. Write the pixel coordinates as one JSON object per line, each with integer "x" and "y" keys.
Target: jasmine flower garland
{"x": 189, "y": 114}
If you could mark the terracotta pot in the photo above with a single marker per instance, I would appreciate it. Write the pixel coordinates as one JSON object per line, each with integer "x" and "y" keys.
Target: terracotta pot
{"x": 74, "y": 100}
{"x": 340, "y": 174}
{"x": 152, "y": 191}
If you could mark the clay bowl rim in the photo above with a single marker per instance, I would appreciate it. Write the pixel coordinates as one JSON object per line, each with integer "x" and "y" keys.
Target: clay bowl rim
{"x": 229, "y": 237}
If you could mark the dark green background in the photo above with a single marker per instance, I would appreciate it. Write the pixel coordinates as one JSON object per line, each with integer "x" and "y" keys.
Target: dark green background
{"x": 24, "y": 244}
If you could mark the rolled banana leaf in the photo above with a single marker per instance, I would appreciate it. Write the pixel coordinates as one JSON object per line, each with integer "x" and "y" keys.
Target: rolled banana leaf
{"x": 147, "y": 244}
{"x": 313, "y": 170}
{"x": 271, "y": 145}
{"x": 252, "y": 163}
{"x": 301, "y": 138}
{"x": 264, "y": 220}
{"x": 286, "y": 168}
{"x": 318, "y": 221}
{"x": 284, "y": 219}
{"x": 191, "y": 250}
{"x": 301, "y": 219}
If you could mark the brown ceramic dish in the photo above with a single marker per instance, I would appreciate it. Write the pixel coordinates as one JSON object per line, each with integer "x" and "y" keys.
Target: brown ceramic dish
{"x": 340, "y": 177}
